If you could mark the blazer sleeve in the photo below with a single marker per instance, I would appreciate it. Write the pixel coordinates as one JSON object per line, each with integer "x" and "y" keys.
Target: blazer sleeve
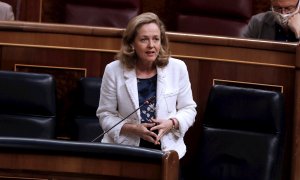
{"x": 107, "y": 110}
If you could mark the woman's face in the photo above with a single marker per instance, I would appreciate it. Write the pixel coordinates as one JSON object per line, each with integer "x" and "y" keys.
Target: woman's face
{"x": 147, "y": 42}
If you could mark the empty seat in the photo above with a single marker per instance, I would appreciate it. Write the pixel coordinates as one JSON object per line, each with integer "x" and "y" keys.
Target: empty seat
{"x": 109, "y": 13}
{"x": 242, "y": 136}
{"x": 213, "y": 17}
{"x": 27, "y": 105}
{"x": 87, "y": 126}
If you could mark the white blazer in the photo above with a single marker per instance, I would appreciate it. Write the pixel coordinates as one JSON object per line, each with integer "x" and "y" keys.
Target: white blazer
{"x": 119, "y": 98}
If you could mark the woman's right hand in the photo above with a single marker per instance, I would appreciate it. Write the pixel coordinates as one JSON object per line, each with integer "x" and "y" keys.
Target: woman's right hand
{"x": 141, "y": 130}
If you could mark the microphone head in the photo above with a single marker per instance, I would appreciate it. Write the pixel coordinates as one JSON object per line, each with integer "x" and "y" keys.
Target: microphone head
{"x": 150, "y": 100}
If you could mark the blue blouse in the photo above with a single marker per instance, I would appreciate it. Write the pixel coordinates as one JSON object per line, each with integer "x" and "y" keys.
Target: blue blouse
{"x": 147, "y": 89}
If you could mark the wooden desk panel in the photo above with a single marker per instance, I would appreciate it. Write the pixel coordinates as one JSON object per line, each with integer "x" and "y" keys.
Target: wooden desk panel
{"x": 63, "y": 167}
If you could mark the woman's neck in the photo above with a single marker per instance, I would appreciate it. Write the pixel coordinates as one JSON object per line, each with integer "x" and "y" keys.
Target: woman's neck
{"x": 144, "y": 72}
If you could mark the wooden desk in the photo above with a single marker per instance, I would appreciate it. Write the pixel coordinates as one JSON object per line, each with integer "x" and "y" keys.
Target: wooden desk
{"x": 71, "y": 52}
{"x": 56, "y": 159}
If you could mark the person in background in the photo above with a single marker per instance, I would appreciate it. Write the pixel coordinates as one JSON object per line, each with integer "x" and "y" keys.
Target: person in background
{"x": 282, "y": 23}
{"x": 145, "y": 72}
{"x": 6, "y": 12}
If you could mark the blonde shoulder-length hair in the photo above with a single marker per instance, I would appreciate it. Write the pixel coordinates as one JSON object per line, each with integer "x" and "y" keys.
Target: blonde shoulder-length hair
{"x": 127, "y": 55}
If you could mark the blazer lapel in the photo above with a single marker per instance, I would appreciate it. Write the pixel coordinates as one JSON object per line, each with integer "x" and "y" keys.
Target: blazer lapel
{"x": 160, "y": 87}
{"x": 131, "y": 85}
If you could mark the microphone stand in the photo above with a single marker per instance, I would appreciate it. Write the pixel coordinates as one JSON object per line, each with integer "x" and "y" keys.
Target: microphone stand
{"x": 148, "y": 101}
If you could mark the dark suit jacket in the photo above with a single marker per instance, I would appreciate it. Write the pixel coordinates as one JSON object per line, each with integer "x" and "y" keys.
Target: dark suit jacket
{"x": 261, "y": 26}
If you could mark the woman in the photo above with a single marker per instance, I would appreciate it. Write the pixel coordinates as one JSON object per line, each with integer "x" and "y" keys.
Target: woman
{"x": 143, "y": 70}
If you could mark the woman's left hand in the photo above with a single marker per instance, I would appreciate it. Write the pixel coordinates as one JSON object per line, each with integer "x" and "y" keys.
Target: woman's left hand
{"x": 163, "y": 126}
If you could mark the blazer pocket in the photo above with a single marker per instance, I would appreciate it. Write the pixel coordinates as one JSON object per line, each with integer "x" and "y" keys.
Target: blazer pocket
{"x": 171, "y": 99}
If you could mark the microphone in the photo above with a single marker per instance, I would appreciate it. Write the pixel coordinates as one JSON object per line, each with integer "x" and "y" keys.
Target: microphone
{"x": 148, "y": 101}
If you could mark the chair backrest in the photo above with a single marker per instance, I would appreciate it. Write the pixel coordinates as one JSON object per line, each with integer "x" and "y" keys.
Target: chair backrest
{"x": 242, "y": 136}
{"x": 87, "y": 125}
{"x": 109, "y": 13}
{"x": 213, "y": 17}
{"x": 27, "y": 105}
